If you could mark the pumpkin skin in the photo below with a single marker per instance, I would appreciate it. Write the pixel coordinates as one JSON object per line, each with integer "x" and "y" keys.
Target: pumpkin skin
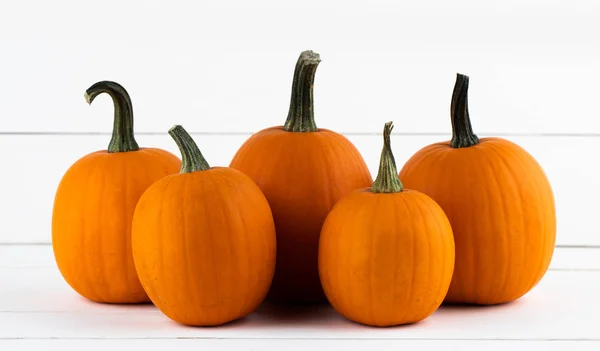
{"x": 386, "y": 258}
{"x": 303, "y": 172}
{"x": 204, "y": 245}
{"x": 92, "y": 213}
{"x": 501, "y": 207}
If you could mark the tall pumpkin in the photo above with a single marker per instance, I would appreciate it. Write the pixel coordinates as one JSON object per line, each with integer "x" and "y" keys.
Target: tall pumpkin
{"x": 386, "y": 253}
{"x": 500, "y": 205}
{"x": 204, "y": 241}
{"x": 94, "y": 204}
{"x": 303, "y": 171}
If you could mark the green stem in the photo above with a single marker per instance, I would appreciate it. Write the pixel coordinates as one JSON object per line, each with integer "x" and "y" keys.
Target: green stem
{"x": 387, "y": 180}
{"x": 462, "y": 132}
{"x": 122, "y": 139}
{"x": 192, "y": 159}
{"x": 301, "y": 117}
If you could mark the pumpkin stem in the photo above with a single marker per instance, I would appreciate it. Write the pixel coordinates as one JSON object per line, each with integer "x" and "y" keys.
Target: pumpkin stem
{"x": 192, "y": 159}
{"x": 387, "y": 180}
{"x": 301, "y": 117}
{"x": 462, "y": 133}
{"x": 122, "y": 139}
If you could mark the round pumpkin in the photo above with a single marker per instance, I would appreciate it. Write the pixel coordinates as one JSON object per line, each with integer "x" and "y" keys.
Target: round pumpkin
{"x": 204, "y": 241}
{"x": 499, "y": 202}
{"x": 303, "y": 171}
{"x": 94, "y": 204}
{"x": 386, "y": 253}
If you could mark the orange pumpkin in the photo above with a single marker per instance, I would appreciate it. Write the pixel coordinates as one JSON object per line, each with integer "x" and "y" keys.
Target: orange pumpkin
{"x": 386, "y": 253}
{"x": 204, "y": 241}
{"x": 94, "y": 204}
{"x": 500, "y": 205}
{"x": 303, "y": 171}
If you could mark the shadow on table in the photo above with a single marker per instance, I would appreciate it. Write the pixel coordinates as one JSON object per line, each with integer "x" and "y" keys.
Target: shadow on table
{"x": 456, "y": 308}
{"x": 321, "y": 316}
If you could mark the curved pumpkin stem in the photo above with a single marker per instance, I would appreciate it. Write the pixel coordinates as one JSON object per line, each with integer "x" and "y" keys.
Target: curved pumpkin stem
{"x": 301, "y": 117}
{"x": 192, "y": 159}
{"x": 122, "y": 139}
{"x": 462, "y": 132}
{"x": 387, "y": 180}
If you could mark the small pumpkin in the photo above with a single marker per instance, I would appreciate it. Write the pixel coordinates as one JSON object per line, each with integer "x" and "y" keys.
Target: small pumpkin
{"x": 303, "y": 171}
{"x": 204, "y": 241}
{"x": 386, "y": 253}
{"x": 94, "y": 204}
{"x": 499, "y": 202}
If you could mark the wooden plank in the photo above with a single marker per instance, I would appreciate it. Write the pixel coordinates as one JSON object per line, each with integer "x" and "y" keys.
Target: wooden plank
{"x": 37, "y": 163}
{"x": 236, "y": 76}
{"x": 37, "y": 303}
{"x": 292, "y": 345}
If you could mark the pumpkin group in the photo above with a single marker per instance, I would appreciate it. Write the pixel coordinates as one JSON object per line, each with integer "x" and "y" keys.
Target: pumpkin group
{"x": 386, "y": 253}
{"x": 94, "y": 205}
{"x": 303, "y": 171}
{"x": 500, "y": 205}
{"x": 204, "y": 241}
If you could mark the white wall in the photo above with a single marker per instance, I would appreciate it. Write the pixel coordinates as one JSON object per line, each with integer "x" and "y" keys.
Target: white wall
{"x": 223, "y": 70}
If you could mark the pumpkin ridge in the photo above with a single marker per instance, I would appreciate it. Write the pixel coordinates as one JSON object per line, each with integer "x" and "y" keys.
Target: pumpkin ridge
{"x": 538, "y": 272}
{"x": 500, "y": 154}
{"x": 394, "y": 245}
{"x": 82, "y": 224}
{"x": 517, "y": 154}
{"x": 75, "y": 172}
{"x": 249, "y": 303}
{"x": 208, "y": 214}
{"x": 406, "y": 209}
{"x": 536, "y": 167}
{"x": 104, "y": 271}
{"x": 326, "y": 152}
{"x": 494, "y": 186}
{"x": 466, "y": 258}
{"x": 340, "y": 275}
{"x": 374, "y": 224}
{"x": 142, "y": 159}
{"x": 246, "y": 300}
{"x": 101, "y": 164}
{"x": 187, "y": 240}
{"x": 409, "y": 296}
{"x": 217, "y": 183}
{"x": 446, "y": 159}
{"x": 225, "y": 185}
{"x": 72, "y": 173}
{"x": 475, "y": 236}
{"x": 359, "y": 211}
{"x": 160, "y": 259}
{"x": 425, "y": 211}
{"x": 127, "y": 239}
{"x": 506, "y": 269}
{"x": 431, "y": 214}
{"x": 164, "y": 263}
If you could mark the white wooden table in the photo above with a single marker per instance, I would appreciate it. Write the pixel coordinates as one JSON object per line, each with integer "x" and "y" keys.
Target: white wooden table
{"x": 38, "y": 311}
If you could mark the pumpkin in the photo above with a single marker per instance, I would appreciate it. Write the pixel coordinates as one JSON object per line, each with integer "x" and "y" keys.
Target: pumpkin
{"x": 204, "y": 241}
{"x": 386, "y": 253}
{"x": 500, "y": 205}
{"x": 94, "y": 204}
{"x": 303, "y": 171}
